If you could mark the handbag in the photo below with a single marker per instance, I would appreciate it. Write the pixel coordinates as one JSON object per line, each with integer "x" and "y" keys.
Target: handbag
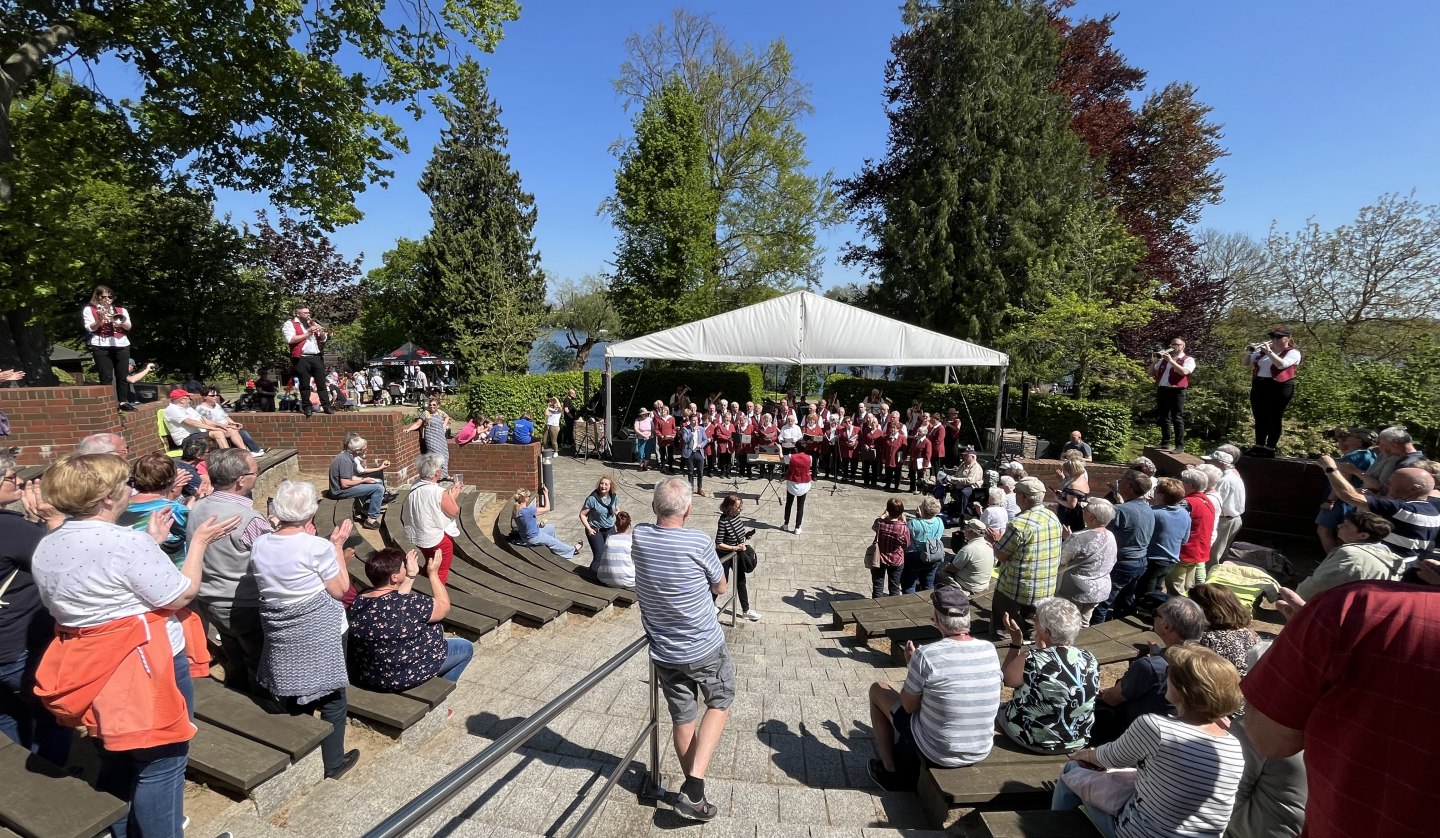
{"x": 872, "y": 553}
{"x": 867, "y": 453}
{"x": 749, "y": 559}
{"x": 1107, "y": 791}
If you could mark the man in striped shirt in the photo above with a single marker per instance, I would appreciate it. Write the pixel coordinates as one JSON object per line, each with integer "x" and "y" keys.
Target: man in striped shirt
{"x": 945, "y": 711}
{"x": 1414, "y": 519}
{"x": 677, "y": 577}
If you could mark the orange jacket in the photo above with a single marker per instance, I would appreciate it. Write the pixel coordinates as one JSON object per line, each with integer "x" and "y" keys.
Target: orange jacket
{"x": 117, "y": 679}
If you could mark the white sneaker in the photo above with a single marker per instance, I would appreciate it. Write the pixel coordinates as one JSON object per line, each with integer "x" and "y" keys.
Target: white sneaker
{"x": 797, "y": 531}
{"x": 259, "y": 453}
{"x": 752, "y": 615}
{"x": 785, "y": 527}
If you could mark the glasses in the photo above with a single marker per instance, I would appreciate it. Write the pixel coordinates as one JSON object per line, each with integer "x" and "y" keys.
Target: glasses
{"x": 12, "y": 478}
{"x": 249, "y": 474}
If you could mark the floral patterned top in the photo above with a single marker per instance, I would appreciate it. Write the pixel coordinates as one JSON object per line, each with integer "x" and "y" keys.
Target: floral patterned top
{"x": 393, "y": 644}
{"x": 1054, "y": 708}
{"x": 1232, "y": 644}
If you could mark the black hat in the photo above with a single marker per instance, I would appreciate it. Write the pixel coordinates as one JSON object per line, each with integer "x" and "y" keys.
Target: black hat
{"x": 1279, "y": 332}
{"x": 950, "y": 601}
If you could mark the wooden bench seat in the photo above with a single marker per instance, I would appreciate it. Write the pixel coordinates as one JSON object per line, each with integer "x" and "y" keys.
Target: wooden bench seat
{"x": 1008, "y": 779}
{"x": 1036, "y": 823}
{"x": 458, "y": 619}
{"x": 239, "y": 713}
{"x": 274, "y": 457}
{"x": 503, "y": 563}
{"x": 42, "y": 800}
{"x": 486, "y": 563}
{"x": 393, "y": 710}
{"x": 228, "y": 760}
{"x": 542, "y": 557}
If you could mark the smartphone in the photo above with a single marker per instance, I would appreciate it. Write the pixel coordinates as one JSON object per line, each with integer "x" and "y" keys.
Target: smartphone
{"x": 749, "y": 533}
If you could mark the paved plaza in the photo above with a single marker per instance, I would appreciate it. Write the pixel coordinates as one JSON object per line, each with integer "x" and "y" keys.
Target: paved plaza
{"x": 791, "y": 762}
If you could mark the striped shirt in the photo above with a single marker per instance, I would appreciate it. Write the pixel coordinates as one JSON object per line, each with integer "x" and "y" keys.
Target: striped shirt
{"x": 1188, "y": 781}
{"x": 1032, "y": 541}
{"x": 674, "y": 569}
{"x": 1415, "y": 523}
{"x": 959, "y": 685}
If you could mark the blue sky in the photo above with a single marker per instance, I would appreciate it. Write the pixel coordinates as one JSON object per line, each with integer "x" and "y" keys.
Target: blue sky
{"x": 1326, "y": 105}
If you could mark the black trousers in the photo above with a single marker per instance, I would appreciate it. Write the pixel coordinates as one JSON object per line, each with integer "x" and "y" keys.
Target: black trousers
{"x": 795, "y": 500}
{"x": 113, "y": 364}
{"x": 1170, "y": 413}
{"x": 307, "y": 367}
{"x": 1268, "y": 400}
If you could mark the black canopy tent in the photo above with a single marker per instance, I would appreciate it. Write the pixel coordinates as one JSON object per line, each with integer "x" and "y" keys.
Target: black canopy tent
{"x": 410, "y": 353}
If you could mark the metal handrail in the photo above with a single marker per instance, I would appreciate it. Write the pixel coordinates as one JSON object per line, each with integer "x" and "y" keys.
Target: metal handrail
{"x": 425, "y": 804}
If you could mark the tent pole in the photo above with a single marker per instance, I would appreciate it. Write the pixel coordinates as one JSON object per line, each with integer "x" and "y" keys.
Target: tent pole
{"x": 947, "y": 374}
{"x": 999, "y": 415}
{"x": 608, "y": 391}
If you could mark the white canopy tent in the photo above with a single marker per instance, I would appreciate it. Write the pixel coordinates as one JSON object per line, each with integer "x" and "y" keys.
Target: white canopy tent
{"x": 807, "y": 329}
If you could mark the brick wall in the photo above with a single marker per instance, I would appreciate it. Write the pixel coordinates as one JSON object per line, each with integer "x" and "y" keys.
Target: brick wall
{"x": 1101, "y": 474}
{"x": 141, "y": 429}
{"x": 320, "y": 437}
{"x": 46, "y": 422}
{"x": 497, "y": 468}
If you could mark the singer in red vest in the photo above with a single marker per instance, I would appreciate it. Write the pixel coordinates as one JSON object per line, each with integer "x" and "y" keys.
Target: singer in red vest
{"x": 1171, "y": 371}
{"x": 306, "y": 339}
{"x": 109, "y": 328}
{"x": 797, "y": 486}
{"x": 1272, "y": 386}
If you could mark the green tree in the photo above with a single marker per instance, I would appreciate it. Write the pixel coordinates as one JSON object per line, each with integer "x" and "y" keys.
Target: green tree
{"x": 390, "y": 313}
{"x": 483, "y": 294}
{"x": 583, "y": 314}
{"x": 981, "y": 170}
{"x": 664, "y": 209}
{"x": 751, "y": 102}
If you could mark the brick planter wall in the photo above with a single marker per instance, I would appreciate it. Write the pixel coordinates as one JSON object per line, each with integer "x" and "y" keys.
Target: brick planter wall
{"x": 46, "y": 422}
{"x": 320, "y": 437}
{"x": 497, "y": 468}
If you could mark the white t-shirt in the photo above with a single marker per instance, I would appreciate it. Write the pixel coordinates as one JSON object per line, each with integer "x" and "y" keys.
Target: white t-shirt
{"x": 552, "y": 417}
{"x": 215, "y": 414}
{"x": 425, "y": 524}
{"x": 175, "y": 417}
{"x": 292, "y": 568}
{"x": 91, "y": 572}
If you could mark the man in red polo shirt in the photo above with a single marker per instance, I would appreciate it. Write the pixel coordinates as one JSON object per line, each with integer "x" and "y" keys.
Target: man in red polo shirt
{"x": 1352, "y": 680}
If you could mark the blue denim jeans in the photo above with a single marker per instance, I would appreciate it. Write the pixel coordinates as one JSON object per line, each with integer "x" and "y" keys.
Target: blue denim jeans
{"x": 1124, "y": 578}
{"x": 457, "y": 656}
{"x": 1064, "y": 800}
{"x": 918, "y": 574}
{"x": 373, "y": 493}
{"x": 546, "y": 538}
{"x": 151, "y": 779}
{"x": 24, "y": 720}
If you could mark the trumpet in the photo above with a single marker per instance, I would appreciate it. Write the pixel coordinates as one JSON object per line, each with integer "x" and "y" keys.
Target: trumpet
{"x": 1257, "y": 346}
{"x": 319, "y": 330}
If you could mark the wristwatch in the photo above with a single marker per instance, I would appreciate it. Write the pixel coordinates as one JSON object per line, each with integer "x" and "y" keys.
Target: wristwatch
{"x": 1331, "y": 470}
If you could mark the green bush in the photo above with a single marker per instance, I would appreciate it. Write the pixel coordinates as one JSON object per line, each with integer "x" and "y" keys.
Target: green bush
{"x": 511, "y": 395}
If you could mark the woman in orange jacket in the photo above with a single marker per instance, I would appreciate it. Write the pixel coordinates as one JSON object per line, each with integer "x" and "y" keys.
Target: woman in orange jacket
{"x": 126, "y": 646}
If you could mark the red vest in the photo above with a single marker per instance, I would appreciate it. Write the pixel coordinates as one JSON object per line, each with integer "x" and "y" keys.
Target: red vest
{"x": 109, "y": 330}
{"x": 298, "y": 346}
{"x": 1166, "y": 371}
{"x": 798, "y": 470}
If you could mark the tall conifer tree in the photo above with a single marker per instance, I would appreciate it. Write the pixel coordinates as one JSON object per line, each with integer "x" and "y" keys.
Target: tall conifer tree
{"x": 483, "y": 294}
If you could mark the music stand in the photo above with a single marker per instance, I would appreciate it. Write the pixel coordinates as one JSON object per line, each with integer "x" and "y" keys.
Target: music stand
{"x": 770, "y": 455}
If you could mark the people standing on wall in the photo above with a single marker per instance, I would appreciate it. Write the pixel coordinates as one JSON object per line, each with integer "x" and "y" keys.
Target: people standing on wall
{"x": 1171, "y": 370}
{"x": 306, "y": 340}
{"x": 1272, "y": 386}
{"x": 109, "y": 327}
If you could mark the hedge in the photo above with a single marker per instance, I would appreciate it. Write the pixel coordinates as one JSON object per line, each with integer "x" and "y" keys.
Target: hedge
{"x": 1106, "y": 424}
{"x": 510, "y": 395}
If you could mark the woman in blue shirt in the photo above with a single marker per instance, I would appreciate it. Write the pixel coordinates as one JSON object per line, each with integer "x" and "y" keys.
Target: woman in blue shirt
{"x": 927, "y": 547}
{"x": 526, "y": 529}
{"x": 1172, "y": 528}
{"x": 597, "y": 515}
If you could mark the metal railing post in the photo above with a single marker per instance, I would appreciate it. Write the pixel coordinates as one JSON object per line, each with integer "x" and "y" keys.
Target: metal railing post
{"x": 654, "y": 788}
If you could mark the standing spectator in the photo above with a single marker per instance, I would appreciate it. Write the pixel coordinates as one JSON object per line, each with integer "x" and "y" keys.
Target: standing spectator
{"x": 1029, "y": 558}
{"x": 973, "y": 563}
{"x": 348, "y": 480}
{"x": 892, "y": 537}
{"x": 1195, "y": 550}
{"x": 1350, "y": 680}
{"x": 1270, "y": 802}
{"x": 1232, "y": 500}
{"x": 306, "y": 340}
{"x": 677, "y": 576}
{"x": 570, "y": 411}
{"x": 434, "y": 426}
{"x": 26, "y": 628}
{"x": 1355, "y": 459}
{"x": 1397, "y": 451}
{"x": 109, "y": 327}
{"x": 1076, "y": 443}
{"x": 944, "y": 714}
{"x": 211, "y": 411}
{"x": 229, "y": 598}
{"x": 1133, "y": 526}
{"x": 731, "y": 539}
{"x": 1055, "y": 682}
{"x": 644, "y": 438}
{"x": 1229, "y": 634}
{"x": 692, "y": 453}
{"x": 522, "y": 430}
{"x": 1414, "y": 520}
{"x": 597, "y": 515}
{"x": 130, "y": 645}
{"x": 1141, "y": 690}
{"x": 1171, "y": 372}
{"x": 1362, "y": 554}
{"x": 431, "y": 515}
{"x": 927, "y": 547}
{"x": 1074, "y": 489}
{"x": 378, "y": 393}
{"x": 1172, "y": 529}
{"x": 553, "y": 414}
{"x": 302, "y": 578}
{"x": 396, "y": 642}
{"x": 1272, "y": 386}
{"x": 1086, "y": 559}
{"x": 798, "y": 477}
{"x": 527, "y": 529}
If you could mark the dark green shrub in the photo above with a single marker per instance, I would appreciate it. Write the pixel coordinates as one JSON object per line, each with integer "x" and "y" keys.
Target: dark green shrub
{"x": 510, "y": 395}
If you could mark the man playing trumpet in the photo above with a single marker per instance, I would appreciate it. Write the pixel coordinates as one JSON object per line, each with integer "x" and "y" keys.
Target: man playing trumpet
{"x": 306, "y": 339}
{"x": 1171, "y": 369}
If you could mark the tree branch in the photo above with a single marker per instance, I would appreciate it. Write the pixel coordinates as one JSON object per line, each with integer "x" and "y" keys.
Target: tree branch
{"x": 15, "y": 72}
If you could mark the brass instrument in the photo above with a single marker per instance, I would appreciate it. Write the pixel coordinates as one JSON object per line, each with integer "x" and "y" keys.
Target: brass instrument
{"x": 318, "y": 331}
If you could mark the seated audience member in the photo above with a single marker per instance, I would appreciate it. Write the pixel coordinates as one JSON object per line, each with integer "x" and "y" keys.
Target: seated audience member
{"x": 526, "y": 528}
{"x": 301, "y": 579}
{"x": 153, "y": 478}
{"x": 1396, "y": 450}
{"x": 1086, "y": 559}
{"x": 1362, "y": 554}
{"x": 996, "y": 514}
{"x": 131, "y": 644}
{"x": 229, "y": 598}
{"x": 1270, "y": 802}
{"x": 212, "y": 411}
{"x": 1355, "y": 458}
{"x": 1228, "y": 620}
{"x": 1007, "y": 485}
{"x": 471, "y": 430}
{"x": 973, "y": 564}
{"x": 431, "y": 514}
{"x": 1351, "y": 680}
{"x": 616, "y": 567}
{"x": 945, "y": 711}
{"x": 1141, "y": 690}
{"x": 192, "y": 464}
{"x": 1055, "y": 682}
{"x": 522, "y": 430}
{"x": 396, "y": 642}
{"x": 1414, "y": 520}
{"x": 499, "y": 431}
{"x": 26, "y": 629}
{"x": 347, "y": 480}
{"x": 1189, "y": 765}
{"x": 104, "y": 444}
{"x": 182, "y": 420}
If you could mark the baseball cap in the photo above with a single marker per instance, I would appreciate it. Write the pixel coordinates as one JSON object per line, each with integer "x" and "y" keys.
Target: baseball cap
{"x": 1220, "y": 457}
{"x": 950, "y": 601}
{"x": 178, "y": 393}
{"x": 975, "y": 524}
{"x": 1013, "y": 465}
{"x": 1279, "y": 332}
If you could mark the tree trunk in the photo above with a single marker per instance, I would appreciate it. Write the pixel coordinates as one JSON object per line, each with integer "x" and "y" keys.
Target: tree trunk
{"x": 23, "y": 346}
{"x": 582, "y": 353}
{"x": 15, "y": 71}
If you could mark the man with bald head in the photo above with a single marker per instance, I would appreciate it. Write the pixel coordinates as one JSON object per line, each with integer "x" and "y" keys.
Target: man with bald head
{"x": 104, "y": 444}
{"x": 1406, "y": 506}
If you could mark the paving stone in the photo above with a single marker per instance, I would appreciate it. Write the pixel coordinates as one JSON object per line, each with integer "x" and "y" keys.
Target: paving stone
{"x": 802, "y": 805}
{"x": 850, "y": 807}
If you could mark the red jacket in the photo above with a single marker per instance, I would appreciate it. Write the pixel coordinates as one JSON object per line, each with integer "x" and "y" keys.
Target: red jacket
{"x": 724, "y": 434}
{"x": 665, "y": 431}
{"x": 798, "y": 469}
{"x": 1196, "y": 548}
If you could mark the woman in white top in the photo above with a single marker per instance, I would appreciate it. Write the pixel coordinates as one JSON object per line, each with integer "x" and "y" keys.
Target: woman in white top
{"x": 553, "y": 412}
{"x": 109, "y": 327}
{"x": 92, "y": 574}
{"x": 302, "y": 579}
{"x": 1189, "y": 765}
{"x": 616, "y": 567}
{"x": 431, "y": 513}
{"x": 1272, "y": 386}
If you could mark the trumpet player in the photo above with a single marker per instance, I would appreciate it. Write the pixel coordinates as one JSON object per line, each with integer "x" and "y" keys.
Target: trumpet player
{"x": 109, "y": 327}
{"x": 1171, "y": 369}
{"x": 1272, "y": 386}
{"x": 307, "y": 344}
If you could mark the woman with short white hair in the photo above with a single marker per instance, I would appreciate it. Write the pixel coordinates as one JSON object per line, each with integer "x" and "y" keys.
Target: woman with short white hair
{"x": 431, "y": 511}
{"x": 302, "y": 579}
{"x": 1086, "y": 559}
{"x": 1056, "y": 683}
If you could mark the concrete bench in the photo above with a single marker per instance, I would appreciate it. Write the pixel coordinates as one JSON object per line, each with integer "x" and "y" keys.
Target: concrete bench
{"x": 544, "y": 560}
{"x": 42, "y": 800}
{"x": 1008, "y": 779}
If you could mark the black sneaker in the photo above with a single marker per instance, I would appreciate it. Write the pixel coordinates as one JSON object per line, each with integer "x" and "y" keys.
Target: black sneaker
{"x": 351, "y": 757}
{"x": 695, "y": 810}
{"x": 886, "y": 780}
